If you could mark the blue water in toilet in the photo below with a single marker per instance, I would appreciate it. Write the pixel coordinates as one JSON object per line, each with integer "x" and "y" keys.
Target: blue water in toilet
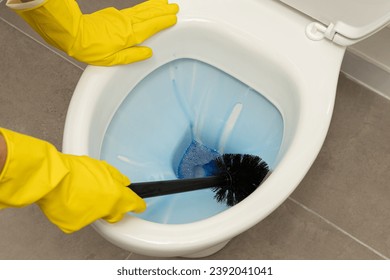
{"x": 180, "y": 116}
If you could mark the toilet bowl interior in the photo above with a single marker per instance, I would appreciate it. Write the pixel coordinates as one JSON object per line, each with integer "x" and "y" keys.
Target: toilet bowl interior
{"x": 188, "y": 106}
{"x": 256, "y": 73}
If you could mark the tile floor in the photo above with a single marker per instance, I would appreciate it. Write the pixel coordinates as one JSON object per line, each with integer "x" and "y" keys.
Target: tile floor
{"x": 341, "y": 209}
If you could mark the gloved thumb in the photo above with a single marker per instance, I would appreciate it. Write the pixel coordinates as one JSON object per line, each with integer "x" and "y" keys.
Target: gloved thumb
{"x": 128, "y": 202}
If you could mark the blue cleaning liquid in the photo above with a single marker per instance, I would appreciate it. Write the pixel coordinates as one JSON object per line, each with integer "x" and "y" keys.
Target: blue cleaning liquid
{"x": 178, "y": 118}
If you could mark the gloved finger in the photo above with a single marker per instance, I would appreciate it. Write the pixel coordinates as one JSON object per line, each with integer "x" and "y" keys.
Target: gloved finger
{"x": 129, "y": 202}
{"x": 114, "y": 219}
{"x": 146, "y": 29}
{"x": 147, "y": 5}
{"x": 146, "y": 11}
{"x": 125, "y": 56}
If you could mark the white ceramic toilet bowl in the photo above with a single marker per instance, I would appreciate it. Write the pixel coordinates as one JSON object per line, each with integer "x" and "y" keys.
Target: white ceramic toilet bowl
{"x": 263, "y": 45}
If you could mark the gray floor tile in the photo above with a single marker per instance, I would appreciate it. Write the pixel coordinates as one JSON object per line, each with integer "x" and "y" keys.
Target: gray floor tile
{"x": 291, "y": 232}
{"x": 36, "y": 87}
{"x": 349, "y": 182}
{"x": 26, "y": 234}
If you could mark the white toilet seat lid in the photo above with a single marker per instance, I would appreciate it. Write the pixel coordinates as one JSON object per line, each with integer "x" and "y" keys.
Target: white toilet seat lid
{"x": 352, "y": 20}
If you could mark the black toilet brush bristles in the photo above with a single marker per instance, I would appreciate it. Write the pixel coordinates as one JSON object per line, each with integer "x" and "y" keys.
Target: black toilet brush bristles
{"x": 246, "y": 174}
{"x": 233, "y": 178}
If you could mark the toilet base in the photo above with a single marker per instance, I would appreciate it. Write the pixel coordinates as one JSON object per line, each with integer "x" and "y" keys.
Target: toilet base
{"x": 207, "y": 252}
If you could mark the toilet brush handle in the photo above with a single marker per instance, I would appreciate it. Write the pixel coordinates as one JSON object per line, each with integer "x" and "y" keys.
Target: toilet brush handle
{"x": 157, "y": 188}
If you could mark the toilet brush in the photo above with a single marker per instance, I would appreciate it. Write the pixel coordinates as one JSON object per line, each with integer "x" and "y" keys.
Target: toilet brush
{"x": 233, "y": 178}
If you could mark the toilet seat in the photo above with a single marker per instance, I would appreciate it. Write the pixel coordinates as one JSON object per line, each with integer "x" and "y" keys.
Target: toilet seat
{"x": 344, "y": 22}
{"x": 298, "y": 75}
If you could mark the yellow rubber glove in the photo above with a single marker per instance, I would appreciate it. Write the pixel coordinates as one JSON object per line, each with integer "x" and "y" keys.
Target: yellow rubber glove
{"x": 72, "y": 191}
{"x": 106, "y": 37}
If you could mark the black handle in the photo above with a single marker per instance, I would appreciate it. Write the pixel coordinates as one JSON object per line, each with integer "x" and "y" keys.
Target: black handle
{"x": 157, "y": 188}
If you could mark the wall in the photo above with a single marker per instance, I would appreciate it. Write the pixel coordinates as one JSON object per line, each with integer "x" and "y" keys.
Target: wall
{"x": 368, "y": 62}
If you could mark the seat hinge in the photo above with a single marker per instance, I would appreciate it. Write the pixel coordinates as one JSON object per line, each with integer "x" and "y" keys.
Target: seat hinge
{"x": 317, "y": 31}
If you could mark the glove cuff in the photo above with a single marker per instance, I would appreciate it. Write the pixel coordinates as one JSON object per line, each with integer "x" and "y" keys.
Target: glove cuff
{"x": 60, "y": 17}
{"x": 6, "y": 160}
{"x": 18, "y": 5}
{"x": 32, "y": 169}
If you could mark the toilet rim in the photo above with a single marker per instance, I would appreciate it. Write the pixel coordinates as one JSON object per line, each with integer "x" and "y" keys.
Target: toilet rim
{"x": 291, "y": 168}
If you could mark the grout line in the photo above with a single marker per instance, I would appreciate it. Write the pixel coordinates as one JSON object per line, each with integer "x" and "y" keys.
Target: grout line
{"x": 40, "y": 43}
{"x": 128, "y": 257}
{"x": 339, "y": 229}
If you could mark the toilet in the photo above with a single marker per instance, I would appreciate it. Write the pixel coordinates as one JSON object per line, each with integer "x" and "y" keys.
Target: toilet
{"x": 249, "y": 76}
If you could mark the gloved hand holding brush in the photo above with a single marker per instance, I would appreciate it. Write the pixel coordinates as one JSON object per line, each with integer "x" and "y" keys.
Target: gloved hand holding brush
{"x": 106, "y": 37}
{"x": 72, "y": 191}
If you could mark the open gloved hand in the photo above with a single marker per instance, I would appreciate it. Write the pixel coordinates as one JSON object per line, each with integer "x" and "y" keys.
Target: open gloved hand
{"x": 72, "y": 191}
{"x": 106, "y": 37}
